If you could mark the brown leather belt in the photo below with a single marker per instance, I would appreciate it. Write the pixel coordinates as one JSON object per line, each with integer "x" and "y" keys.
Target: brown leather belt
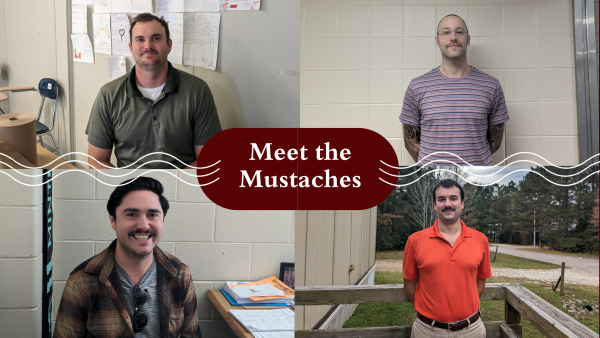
{"x": 454, "y": 326}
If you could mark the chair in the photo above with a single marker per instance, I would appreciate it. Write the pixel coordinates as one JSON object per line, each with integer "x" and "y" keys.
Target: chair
{"x": 48, "y": 88}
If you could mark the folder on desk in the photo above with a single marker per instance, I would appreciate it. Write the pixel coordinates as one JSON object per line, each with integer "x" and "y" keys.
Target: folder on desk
{"x": 234, "y": 303}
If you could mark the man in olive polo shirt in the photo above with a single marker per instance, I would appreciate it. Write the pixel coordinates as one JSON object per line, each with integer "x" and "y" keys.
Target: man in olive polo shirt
{"x": 154, "y": 108}
{"x": 445, "y": 268}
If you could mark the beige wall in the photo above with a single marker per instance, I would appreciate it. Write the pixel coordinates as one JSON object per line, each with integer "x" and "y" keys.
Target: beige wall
{"x": 358, "y": 57}
{"x": 21, "y": 256}
{"x": 327, "y": 242}
{"x": 34, "y": 41}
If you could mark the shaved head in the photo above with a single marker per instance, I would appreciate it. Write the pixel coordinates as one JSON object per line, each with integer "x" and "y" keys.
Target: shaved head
{"x": 439, "y": 23}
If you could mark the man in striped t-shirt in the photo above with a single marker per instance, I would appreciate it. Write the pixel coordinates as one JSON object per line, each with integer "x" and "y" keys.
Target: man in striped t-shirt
{"x": 454, "y": 108}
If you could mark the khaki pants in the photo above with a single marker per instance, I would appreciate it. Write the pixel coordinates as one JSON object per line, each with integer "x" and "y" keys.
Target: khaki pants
{"x": 422, "y": 330}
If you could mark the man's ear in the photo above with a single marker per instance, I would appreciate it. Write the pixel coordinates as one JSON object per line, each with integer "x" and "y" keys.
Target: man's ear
{"x": 131, "y": 50}
{"x": 437, "y": 43}
{"x": 112, "y": 222}
{"x": 468, "y": 39}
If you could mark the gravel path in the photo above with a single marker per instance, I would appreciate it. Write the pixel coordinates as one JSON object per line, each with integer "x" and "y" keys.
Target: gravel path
{"x": 585, "y": 264}
{"x": 573, "y": 276}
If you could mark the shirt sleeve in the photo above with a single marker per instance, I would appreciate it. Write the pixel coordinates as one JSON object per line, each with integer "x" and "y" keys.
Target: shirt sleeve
{"x": 206, "y": 122}
{"x": 190, "y": 327}
{"x": 411, "y": 114}
{"x": 498, "y": 113}
{"x": 485, "y": 267}
{"x": 409, "y": 264}
{"x": 71, "y": 319}
{"x": 100, "y": 130}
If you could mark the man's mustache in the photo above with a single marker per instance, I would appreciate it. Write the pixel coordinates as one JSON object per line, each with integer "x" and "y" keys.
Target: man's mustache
{"x": 448, "y": 209}
{"x": 453, "y": 44}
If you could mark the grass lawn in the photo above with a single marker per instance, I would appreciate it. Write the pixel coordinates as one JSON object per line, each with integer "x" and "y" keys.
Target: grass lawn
{"x": 393, "y": 314}
{"x": 555, "y": 252}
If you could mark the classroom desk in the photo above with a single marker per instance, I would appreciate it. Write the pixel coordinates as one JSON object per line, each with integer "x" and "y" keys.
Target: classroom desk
{"x": 223, "y": 306}
{"x": 44, "y": 158}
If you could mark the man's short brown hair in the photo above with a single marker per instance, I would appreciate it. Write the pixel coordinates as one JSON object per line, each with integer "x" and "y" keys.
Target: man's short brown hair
{"x": 147, "y": 17}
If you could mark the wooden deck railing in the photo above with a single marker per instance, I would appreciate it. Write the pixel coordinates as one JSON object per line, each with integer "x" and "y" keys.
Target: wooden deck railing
{"x": 519, "y": 301}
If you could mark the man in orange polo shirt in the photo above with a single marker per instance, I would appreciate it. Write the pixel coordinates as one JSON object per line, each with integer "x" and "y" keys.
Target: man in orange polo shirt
{"x": 445, "y": 268}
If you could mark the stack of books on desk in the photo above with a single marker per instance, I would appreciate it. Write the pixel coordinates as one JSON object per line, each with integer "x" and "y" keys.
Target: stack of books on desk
{"x": 267, "y": 292}
{"x": 266, "y": 323}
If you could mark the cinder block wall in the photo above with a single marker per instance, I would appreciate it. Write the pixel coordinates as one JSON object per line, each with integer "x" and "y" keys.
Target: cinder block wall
{"x": 217, "y": 244}
{"x": 358, "y": 57}
{"x": 20, "y": 255}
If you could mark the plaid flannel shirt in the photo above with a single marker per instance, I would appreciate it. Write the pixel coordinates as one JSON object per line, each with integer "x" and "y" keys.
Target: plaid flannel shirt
{"x": 92, "y": 303}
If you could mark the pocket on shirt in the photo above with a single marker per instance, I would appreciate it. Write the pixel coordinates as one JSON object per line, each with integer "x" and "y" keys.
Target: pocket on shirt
{"x": 176, "y": 319}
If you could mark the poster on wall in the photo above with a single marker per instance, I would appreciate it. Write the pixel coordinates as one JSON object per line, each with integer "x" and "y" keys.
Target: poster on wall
{"x": 79, "y": 19}
{"x": 102, "y": 36}
{"x": 201, "y": 39}
{"x": 47, "y": 249}
{"x": 166, "y": 6}
{"x": 102, "y": 6}
{"x": 175, "y": 21}
{"x": 116, "y": 67}
{"x": 141, "y": 6}
{"x": 120, "y": 6}
{"x": 82, "y": 48}
{"x": 119, "y": 29}
{"x": 239, "y": 5}
{"x": 82, "y": 2}
{"x": 200, "y": 5}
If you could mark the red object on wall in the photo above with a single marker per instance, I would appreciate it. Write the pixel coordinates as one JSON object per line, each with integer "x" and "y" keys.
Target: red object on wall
{"x": 283, "y": 169}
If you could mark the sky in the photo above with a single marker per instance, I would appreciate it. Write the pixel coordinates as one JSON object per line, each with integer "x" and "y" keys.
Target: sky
{"x": 492, "y": 174}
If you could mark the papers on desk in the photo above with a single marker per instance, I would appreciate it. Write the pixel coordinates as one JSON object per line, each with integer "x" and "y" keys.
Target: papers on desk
{"x": 275, "y": 334}
{"x": 285, "y": 295}
{"x": 265, "y": 320}
{"x": 259, "y": 290}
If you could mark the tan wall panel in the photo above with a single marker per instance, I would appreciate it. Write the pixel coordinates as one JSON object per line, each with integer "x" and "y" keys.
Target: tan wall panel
{"x": 355, "y": 250}
{"x": 365, "y": 242}
{"x": 300, "y": 219}
{"x": 342, "y": 242}
{"x": 372, "y": 235}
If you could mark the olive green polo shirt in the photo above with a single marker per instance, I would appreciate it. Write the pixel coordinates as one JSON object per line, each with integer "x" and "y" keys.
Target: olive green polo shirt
{"x": 184, "y": 115}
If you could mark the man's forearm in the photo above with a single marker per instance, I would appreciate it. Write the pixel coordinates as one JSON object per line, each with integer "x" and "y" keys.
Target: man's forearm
{"x": 410, "y": 287}
{"x": 412, "y": 140}
{"x": 480, "y": 286}
{"x": 99, "y": 164}
{"x": 494, "y": 136}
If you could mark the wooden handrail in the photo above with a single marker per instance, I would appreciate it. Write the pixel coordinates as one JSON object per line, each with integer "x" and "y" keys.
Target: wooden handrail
{"x": 552, "y": 322}
{"x": 362, "y": 294}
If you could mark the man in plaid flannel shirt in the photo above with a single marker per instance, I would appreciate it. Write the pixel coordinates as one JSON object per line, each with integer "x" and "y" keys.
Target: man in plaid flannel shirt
{"x": 132, "y": 288}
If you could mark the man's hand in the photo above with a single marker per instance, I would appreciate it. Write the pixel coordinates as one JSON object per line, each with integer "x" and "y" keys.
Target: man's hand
{"x": 480, "y": 286}
{"x": 99, "y": 158}
{"x": 197, "y": 151}
{"x": 494, "y": 136}
{"x": 410, "y": 287}
{"x": 412, "y": 140}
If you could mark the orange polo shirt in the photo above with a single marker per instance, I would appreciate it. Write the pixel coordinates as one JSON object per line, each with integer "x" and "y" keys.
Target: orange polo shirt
{"x": 447, "y": 275}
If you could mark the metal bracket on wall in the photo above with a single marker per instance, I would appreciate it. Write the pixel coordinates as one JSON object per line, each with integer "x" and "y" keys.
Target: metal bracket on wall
{"x": 587, "y": 78}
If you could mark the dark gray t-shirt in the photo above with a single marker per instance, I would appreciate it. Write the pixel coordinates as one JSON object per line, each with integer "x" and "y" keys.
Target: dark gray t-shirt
{"x": 150, "y": 308}
{"x": 183, "y": 116}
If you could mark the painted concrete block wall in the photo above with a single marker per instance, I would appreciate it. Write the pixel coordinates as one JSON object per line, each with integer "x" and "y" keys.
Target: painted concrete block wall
{"x": 20, "y": 255}
{"x": 217, "y": 244}
{"x": 358, "y": 57}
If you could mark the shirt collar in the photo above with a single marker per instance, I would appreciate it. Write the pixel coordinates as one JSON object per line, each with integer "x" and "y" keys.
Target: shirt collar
{"x": 435, "y": 232}
{"x": 171, "y": 86}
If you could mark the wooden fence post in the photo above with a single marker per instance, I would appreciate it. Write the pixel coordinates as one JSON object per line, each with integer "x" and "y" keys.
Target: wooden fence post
{"x": 562, "y": 279}
{"x": 512, "y": 317}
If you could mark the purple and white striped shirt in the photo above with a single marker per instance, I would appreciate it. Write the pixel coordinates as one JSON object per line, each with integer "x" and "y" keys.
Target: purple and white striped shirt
{"x": 454, "y": 114}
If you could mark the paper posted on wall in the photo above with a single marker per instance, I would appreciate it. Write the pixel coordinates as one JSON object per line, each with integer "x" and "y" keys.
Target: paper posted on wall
{"x": 201, "y": 5}
{"x": 102, "y": 6}
{"x": 82, "y": 2}
{"x": 79, "y": 19}
{"x": 102, "y": 36}
{"x": 141, "y": 6}
{"x": 119, "y": 29}
{"x": 166, "y": 6}
{"x": 239, "y": 5}
{"x": 201, "y": 39}
{"x": 175, "y": 21}
{"x": 82, "y": 48}
{"x": 121, "y": 6}
{"x": 116, "y": 67}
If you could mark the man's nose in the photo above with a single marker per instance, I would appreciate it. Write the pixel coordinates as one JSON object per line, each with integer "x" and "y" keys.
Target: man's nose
{"x": 144, "y": 223}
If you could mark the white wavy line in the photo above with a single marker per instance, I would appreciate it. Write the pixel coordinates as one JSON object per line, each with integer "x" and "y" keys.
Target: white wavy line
{"x": 495, "y": 165}
{"x": 485, "y": 185}
{"x": 102, "y": 172}
{"x": 87, "y": 172}
{"x": 473, "y": 174}
{"x": 107, "y": 167}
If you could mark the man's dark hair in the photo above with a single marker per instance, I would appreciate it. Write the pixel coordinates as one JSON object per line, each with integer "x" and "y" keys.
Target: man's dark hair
{"x": 448, "y": 183}
{"x": 147, "y": 17}
{"x": 437, "y": 31}
{"x": 136, "y": 184}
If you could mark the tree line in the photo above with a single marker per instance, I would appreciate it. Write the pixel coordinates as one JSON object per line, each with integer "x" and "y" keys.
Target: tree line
{"x": 564, "y": 217}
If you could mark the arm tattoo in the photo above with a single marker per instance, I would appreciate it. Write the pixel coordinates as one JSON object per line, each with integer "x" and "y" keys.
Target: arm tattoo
{"x": 412, "y": 139}
{"x": 494, "y": 136}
